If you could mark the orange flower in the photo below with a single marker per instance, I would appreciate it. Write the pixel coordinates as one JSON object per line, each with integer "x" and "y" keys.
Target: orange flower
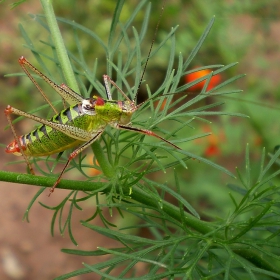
{"x": 199, "y": 74}
{"x": 258, "y": 140}
{"x": 213, "y": 142}
{"x": 93, "y": 171}
{"x": 212, "y": 150}
{"x": 162, "y": 104}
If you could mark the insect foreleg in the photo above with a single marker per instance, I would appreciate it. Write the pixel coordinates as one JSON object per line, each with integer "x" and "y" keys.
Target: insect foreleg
{"x": 107, "y": 79}
{"x": 72, "y": 155}
{"x": 107, "y": 88}
{"x": 7, "y": 113}
{"x": 146, "y": 132}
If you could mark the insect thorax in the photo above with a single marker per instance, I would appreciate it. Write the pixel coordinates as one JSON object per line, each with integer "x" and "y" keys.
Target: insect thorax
{"x": 112, "y": 111}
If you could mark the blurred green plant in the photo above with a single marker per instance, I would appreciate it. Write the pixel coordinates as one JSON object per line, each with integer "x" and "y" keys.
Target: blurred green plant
{"x": 243, "y": 243}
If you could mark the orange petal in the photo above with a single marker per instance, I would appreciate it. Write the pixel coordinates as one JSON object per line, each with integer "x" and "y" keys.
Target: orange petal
{"x": 199, "y": 74}
{"x": 212, "y": 150}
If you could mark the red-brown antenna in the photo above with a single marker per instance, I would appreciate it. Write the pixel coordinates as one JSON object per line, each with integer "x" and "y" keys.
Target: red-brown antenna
{"x": 149, "y": 54}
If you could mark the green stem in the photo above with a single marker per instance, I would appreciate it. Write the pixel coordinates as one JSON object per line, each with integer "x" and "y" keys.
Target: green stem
{"x": 261, "y": 261}
{"x": 59, "y": 45}
{"x": 201, "y": 226}
{"x": 137, "y": 195}
{"x": 140, "y": 196}
{"x": 102, "y": 160}
{"x": 28, "y": 179}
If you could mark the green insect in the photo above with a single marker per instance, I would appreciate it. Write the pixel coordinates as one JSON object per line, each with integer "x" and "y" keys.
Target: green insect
{"x": 80, "y": 125}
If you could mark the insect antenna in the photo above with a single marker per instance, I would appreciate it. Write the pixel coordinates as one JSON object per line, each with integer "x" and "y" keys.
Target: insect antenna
{"x": 149, "y": 53}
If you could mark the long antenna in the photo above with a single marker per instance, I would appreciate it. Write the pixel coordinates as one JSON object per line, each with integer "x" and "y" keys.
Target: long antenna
{"x": 151, "y": 47}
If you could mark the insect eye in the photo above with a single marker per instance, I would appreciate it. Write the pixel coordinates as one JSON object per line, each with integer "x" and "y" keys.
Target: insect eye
{"x": 88, "y": 107}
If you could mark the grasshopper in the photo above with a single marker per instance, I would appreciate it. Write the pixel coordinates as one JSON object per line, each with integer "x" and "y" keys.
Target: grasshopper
{"x": 81, "y": 124}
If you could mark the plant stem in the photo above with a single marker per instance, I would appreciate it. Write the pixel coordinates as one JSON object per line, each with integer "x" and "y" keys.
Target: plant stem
{"x": 102, "y": 160}
{"x": 140, "y": 196}
{"x": 28, "y": 179}
{"x": 59, "y": 45}
{"x": 259, "y": 260}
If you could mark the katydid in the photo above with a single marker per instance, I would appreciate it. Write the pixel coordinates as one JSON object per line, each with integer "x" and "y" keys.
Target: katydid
{"x": 80, "y": 125}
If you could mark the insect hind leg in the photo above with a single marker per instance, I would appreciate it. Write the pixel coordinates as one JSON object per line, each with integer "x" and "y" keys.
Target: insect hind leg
{"x": 73, "y": 155}
{"x": 8, "y": 111}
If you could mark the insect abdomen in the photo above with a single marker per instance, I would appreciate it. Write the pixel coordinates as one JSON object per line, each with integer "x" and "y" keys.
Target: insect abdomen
{"x": 45, "y": 140}
{"x": 38, "y": 143}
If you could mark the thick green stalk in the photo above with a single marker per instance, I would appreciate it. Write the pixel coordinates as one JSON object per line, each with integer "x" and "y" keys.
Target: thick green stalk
{"x": 102, "y": 160}
{"x": 28, "y": 179}
{"x": 140, "y": 196}
{"x": 137, "y": 195}
{"x": 59, "y": 45}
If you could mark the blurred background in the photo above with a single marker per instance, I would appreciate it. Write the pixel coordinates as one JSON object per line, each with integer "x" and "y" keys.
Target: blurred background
{"x": 247, "y": 32}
